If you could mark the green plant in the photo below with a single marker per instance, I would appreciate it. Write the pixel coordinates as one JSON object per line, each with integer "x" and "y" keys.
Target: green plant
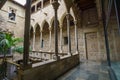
{"x": 7, "y": 41}
{"x": 18, "y": 49}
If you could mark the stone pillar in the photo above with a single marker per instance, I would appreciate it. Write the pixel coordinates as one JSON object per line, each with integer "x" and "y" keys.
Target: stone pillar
{"x": 76, "y": 36}
{"x": 55, "y": 5}
{"x": 33, "y": 41}
{"x": 68, "y": 32}
{"x": 61, "y": 39}
{"x": 50, "y": 38}
{"x": 26, "y": 33}
{"x": 41, "y": 38}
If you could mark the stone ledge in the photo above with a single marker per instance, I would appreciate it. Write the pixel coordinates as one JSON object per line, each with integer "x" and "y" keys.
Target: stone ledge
{"x": 49, "y": 71}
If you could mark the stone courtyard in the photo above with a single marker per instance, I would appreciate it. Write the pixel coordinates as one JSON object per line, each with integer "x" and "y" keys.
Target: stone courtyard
{"x": 62, "y": 39}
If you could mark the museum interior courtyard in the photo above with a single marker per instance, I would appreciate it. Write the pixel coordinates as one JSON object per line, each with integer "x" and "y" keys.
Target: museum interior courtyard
{"x": 60, "y": 40}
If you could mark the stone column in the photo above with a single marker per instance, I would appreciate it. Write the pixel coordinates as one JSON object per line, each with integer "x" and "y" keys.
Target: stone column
{"x": 26, "y": 33}
{"x": 61, "y": 39}
{"x": 55, "y": 5}
{"x": 76, "y": 36}
{"x": 41, "y": 38}
{"x": 50, "y": 38}
{"x": 33, "y": 41}
{"x": 68, "y": 32}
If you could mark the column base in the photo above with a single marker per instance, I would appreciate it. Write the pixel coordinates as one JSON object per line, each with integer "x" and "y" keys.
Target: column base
{"x": 61, "y": 51}
{"x": 69, "y": 53}
{"x": 49, "y": 50}
{"x": 33, "y": 49}
{"x": 77, "y": 52}
{"x": 40, "y": 50}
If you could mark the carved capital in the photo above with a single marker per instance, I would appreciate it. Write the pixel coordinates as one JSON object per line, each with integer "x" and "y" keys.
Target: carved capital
{"x": 41, "y": 31}
{"x": 75, "y": 22}
{"x": 55, "y": 5}
{"x": 68, "y": 15}
{"x": 50, "y": 28}
{"x": 61, "y": 26}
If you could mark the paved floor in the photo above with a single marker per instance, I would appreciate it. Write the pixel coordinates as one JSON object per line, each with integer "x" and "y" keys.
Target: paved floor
{"x": 116, "y": 67}
{"x": 87, "y": 71}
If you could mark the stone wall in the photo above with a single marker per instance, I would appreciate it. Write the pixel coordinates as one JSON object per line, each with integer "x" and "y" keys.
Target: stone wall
{"x": 17, "y": 26}
{"x": 50, "y": 71}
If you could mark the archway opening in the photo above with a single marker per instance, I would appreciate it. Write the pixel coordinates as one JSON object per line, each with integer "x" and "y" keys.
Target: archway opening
{"x": 31, "y": 37}
{"x": 37, "y": 38}
{"x": 45, "y": 39}
{"x": 65, "y": 34}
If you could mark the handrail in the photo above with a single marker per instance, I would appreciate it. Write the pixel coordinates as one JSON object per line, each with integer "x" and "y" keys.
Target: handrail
{"x": 49, "y": 52}
{"x": 11, "y": 62}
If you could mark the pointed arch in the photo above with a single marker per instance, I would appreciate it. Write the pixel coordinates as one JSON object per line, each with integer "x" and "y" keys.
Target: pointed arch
{"x": 31, "y": 31}
{"x": 36, "y": 25}
{"x": 72, "y": 12}
{"x": 43, "y": 23}
{"x": 51, "y": 21}
{"x": 62, "y": 18}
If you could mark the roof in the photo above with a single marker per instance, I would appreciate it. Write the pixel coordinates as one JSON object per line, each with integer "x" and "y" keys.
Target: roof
{"x": 17, "y": 3}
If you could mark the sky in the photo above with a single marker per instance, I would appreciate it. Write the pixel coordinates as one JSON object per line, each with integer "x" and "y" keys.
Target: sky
{"x": 21, "y": 1}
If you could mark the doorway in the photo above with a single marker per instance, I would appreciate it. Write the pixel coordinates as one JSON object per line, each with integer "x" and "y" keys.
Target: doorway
{"x": 91, "y": 41}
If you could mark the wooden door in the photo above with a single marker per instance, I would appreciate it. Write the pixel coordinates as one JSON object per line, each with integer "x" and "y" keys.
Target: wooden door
{"x": 91, "y": 46}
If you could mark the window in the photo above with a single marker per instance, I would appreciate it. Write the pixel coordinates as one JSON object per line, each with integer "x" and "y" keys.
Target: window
{"x": 65, "y": 40}
{"x": 12, "y": 14}
{"x": 42, "y": 43}
{"x": 39, "y": 6}
{"x": 33, "y": 9}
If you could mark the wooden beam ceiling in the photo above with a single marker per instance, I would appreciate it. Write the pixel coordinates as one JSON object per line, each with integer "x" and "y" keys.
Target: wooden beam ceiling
{"x": 85, "y": 4}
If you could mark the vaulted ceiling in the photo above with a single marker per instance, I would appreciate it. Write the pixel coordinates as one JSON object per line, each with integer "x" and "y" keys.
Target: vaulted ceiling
{"x": 84, "y": 4}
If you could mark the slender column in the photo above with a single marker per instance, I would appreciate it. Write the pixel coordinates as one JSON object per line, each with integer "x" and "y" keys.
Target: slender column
{"x": 50, "y": 1}
{"x": 55, "y": 5}
{"x": 50, "y": 39}
{"x": 76, "y": 36}
{"x": 68, "y": 32}
{"x": 35, "y": 8}
{"x": 42, "y": 3}
{"x": 33, "y": 41}
{"x": 41, "y": 38}
{"x": 26, "y": 33}
{"x": 61, "y": 39}
{"x": 105, "y": 33}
